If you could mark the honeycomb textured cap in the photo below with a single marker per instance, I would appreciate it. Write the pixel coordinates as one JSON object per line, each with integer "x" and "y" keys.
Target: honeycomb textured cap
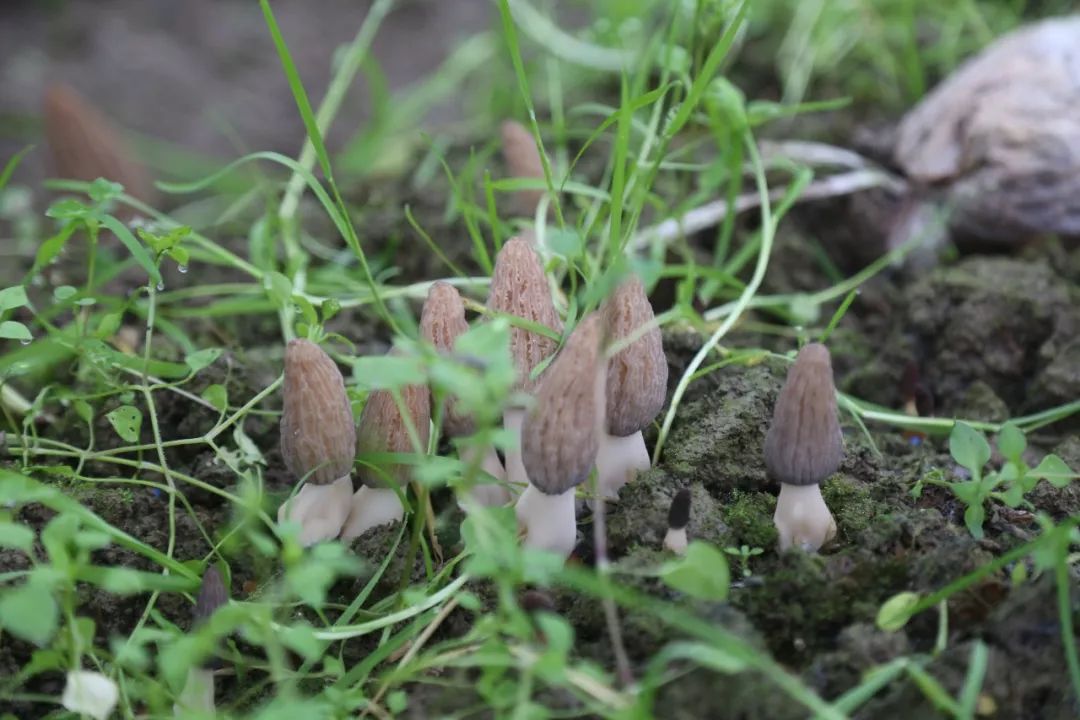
{"x": 317, "y": 431}
{"x": 804, "y": 445}
{"x": 519, "y": 287}
{"x": 679, "y": 511}
{"x": 522, "y": 161}
{"x": 442, "y": 321}
{"x": 560, "y": 435}
{"x": 382, "y": 430}
{"x": 212, "y": 594}
{"x": 85, "y": 146}
{"x": 637, "y": 375}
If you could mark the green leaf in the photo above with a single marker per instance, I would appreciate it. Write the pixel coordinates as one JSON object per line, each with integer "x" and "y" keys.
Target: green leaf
{"x": 1011, "y": 442}
{"x": 1054, "y": 470}
{"x": 30, "y": 613}
{"x": 16, "y": 536}
{"x": 217, "y": 396}
{"x": 896, "y": 611}
{"x": 68, "y": 209}
{"x": 101, "y": 190}
{"x": 12, "y": 163}
{"x": 1013, "y": 496}
{"x": 300, "y": 638}
{"x": 714, "y": 658}
{"x": 13, "y": 330}
{"x": 703, "y": 573}
{"x": 127, "y": 421}
{"x": 13, "y": 297}
{"x": 969, "y": 448}
{"x": 64, "y": 292}
{"x": 202, "y": 359}
{"x": 278, "y": 287}
{"x": 973, "y": 519}
{"x": 134, "y": 247}
{"x": 388, "y": 371}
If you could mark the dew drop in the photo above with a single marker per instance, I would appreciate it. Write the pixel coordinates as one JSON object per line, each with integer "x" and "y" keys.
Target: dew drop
{"x": 160, "y": 286}
{"x": 181, "y": 269}
{"x": 25, "y": 341}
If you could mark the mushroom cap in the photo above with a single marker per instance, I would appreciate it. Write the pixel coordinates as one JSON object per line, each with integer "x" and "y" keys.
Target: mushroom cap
{"x": 382, "y": 430}
{"x": 679, "y": 512}
{"x": 318, "y": 437}
{"x": 519, "y": 287}
{"x": 1003, "y": 132}
{"x": 212, "y": 595}
{"x": 522, "y": 161}
{"x": 85, "y": 145}
{"x": 561, "y": 433}
{"x": 804, "y": 445}
{"x": 636, "y": 375}
{"x": 442, "y": 321}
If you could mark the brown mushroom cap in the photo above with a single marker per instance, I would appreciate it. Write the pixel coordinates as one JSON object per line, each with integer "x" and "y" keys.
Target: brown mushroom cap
{"x": 318, "y": 437}
{"x": 212, "y": 595}
{"x": 519, "y": 287}
{"x": 804, "y": 445}
{"x": 560, "y": 435}
{"x": 441, "y": 323}
{"x": 637, "y": 375}
{"x": 382, "y": 429}
{"x": 85, "y": 145}
{"x": 522, "y": 161}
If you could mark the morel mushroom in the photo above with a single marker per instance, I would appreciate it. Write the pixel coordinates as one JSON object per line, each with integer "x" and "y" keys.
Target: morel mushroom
{"x": 519, "y": 287}
{"x": 678, "y": 518}
{"x": 802, "y": 448}
{"x": 1000, "y": 138}
{"x": 636, "y": 386}
{"x": 85, "y": 146}
{"x": 441, "y": 323}
{"x": 383, "y": 430}
{"x": 560, "y": 437}
{"x": 523, "y": 161}
{"x": 198, "y": 693}
{"x": 318, "y": 442}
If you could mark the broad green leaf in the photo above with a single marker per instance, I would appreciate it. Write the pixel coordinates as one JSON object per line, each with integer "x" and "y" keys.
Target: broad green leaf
{"x": 217, "y": 396}
{"x": 301, "y": 639}
{"x": 13, "y": 330}
{"x": 101, "y": 190}
{"x": 127, "y": 421}
{"x": 16, "y": 536}
{"x": 703, "y": 573}
{"x": 278, "y": 287}
{"x": 388, "y": 371}
{"x": 1054, "y": 470}
{"x": 1011, "y": 442}
{"x": 64, "y": 292}
{"x": 138, "y": 252}
{"x": 202, "y": 359}
{"x": 896, "y": 611}
{"x": 969, "y": 448}
{"x": 709, "y": 656}
{"x": 68, "y": 209}
{"x": 13, "y": 297}
{"x": 29, "y": 612}
{"x": 973, "y": 519}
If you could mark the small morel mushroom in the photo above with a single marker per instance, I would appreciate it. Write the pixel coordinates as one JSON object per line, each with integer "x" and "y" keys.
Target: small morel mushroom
{"x": 318, "y": 442}
{"x": 85, "y": 146}
{"x": 560, "y": 437}
{"x": 198, "y": 693}
{"x": 636, "y": 386}
{"x": 522, "y": 161}
{"x": 678, "y": 518}
{"x": 519, "y": 287}
{"x": 441, "y": 322}
{"x": 803, "y": 447}
{"x": 383, "y": 430}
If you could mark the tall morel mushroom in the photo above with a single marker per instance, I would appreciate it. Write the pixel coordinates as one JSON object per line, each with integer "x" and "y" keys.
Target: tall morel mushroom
{"x": 318, "y": 442}
{"x": 441, "y": 323}
{"x": 636, "y": 386}
{"x": 803, "y": 447}
{"x": 560, "y": 437}
{"x": 383, "y": 430}
{"x": 522, "y": 161}
{"x": 675, "y": 539}
{"x": 519, "y": 287}
{"x": 198, "y": 693}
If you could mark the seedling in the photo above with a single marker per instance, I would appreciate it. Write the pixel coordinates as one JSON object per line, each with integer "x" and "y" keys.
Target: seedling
{"x": 744, "y": 553}
{"x": 1009, "y": 485}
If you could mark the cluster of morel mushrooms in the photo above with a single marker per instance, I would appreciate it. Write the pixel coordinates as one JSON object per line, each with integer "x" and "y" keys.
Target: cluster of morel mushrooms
{"x": 587, "y": 410}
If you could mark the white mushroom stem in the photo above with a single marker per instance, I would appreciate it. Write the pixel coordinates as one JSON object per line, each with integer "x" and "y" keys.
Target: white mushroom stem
{"x": 618, "y": 460}
{"x": 802, "y": 517}
{"x": 197, "y": 697}
{"x": 320, "y": 509}
{"x": 675, "y": 541}
{"x": 549, "y": 521}
{"x": 487, "y": 491}
{"x": 371, "y": 507}
{"x": 515, "y": 469}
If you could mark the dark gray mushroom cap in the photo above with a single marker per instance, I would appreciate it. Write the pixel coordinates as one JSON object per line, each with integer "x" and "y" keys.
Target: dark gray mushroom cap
{"x": 441, "y": 323}
{"x": 1003, "y": 135}
{"x": 636, "y": 375}
{"x": 382, "y": 430}
{"x": 318, "y": 437}
{"x": 679, "y": 512}
{"x": 212, "y": 595}
{"x": 804, "y": 445}
{"x": 560, "y": 435}
{"x": 519, "y": 287}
